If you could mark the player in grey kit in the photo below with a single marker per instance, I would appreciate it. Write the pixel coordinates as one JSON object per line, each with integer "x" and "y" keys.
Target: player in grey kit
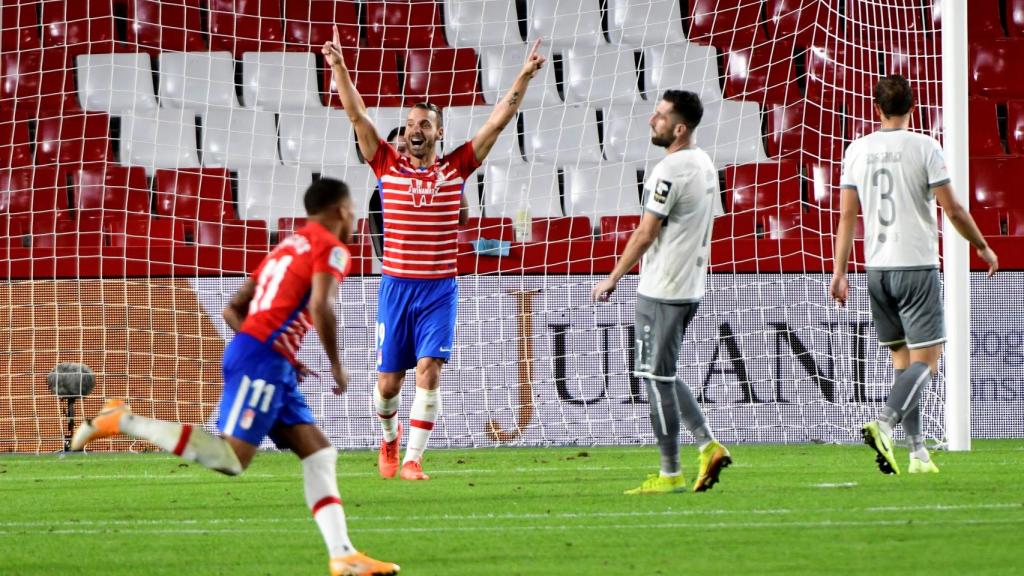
{"x": 895, "y": 176}
{"x": 681, "y": 200}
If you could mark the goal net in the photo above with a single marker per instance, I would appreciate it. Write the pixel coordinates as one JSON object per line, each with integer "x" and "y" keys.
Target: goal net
{"x": 154, "y": 151}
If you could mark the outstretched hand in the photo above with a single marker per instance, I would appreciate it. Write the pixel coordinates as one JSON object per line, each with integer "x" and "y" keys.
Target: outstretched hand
{"x": 534, "y": 60}
{"x": 332, "y": 50}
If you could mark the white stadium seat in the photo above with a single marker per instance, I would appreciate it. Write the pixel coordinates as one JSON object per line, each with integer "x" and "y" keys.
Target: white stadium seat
{"x": 161, "y": 138}
{"x": 317, "y": 138}
{"x": 387, "y": 119}
{"x": 280, "y": 81}
{"x": 115, "y": 83}
{"x": 643, "y": 24}
{"x": 731, "y": 132}
{"x": 561, "y": 135}
{"x": 461, "y": 123}
{"x": 564, "y": 23}
{"x": 682, "y": 66}
{"x": 600, "y": 76}
{"x": 480, "y": 23}
{"x": 627, "y": 135}
{"x": 197, "y": 80}
{"x": 361, "y": 182}
{"x": 606, "y": 190}
{"x": 238, "y": 138}
{"x": 505, "y": 186}
{"x": 499, "y": 68}
{"x": 272, "y": 192}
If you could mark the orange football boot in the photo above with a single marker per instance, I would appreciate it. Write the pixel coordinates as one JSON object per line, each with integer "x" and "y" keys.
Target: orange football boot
{"x": 360, "y": 564}
{"x": 412, "y": 470}
{"x": 104, "y": 425}
{"x": 387, "y": 459}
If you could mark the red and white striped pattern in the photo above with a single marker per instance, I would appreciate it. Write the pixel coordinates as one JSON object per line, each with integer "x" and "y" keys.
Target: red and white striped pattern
{"x": 421, "y": 211}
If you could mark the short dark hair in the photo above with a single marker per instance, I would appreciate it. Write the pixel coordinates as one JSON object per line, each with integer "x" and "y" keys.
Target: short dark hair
{"x": 400, "y": 131}
{"x": 433, "y": 108}
{"x": 686, "y": 105}
{"x": 324, "y": 194}
{"x": 894, "y": 95}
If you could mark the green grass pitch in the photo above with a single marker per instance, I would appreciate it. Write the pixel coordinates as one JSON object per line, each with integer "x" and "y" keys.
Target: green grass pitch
{"x": 802, "y": 509}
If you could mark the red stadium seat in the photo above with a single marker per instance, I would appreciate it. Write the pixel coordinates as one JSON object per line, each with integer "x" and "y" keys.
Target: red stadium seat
{"x": 825, "y": 73}
{"x": 997, "y": 68}
{"x": 375, "y": 75}
{"x": 922, "y": 66}
{"x": 822, "y": 185}
{"x": 34, "y": 192}
{"x": 763, "y": 73}
{"x": 1015, "y": 126}
{"x": 444, "y": 76}
{"x": 804, "y": 129}
{"x": 802, "y": 22}
{"x": 290, "y": 224}
{"x": 239, "y": 26}
{"x": 142, "y": 231}
{"x": 37, "y": 83}
{"x": 73, "y": 234}
{"x": 489, "y": 228}
{"x": 767, "y": 186}
{"x": 172, "y": 25}
{"x": 562, "y": 228}
{"x": 1014, "y": 18}
{"x": 983, "y": 20}
{"x": 80, "y": 27}
{"x": 15, "y": 145}
{"x": 995, "y": 182}
{"x": 726, "y": 24}
{"x": 618, "y": 228}
{"x": 780, "y": 225}
{"x": 202, "y": 194}
{"x": 19, "y": 25}
{"x": 989, "y": 220}
{"x": 404, "y": 25}
{"x": 238, "y": 233}
{"x": 73, "y": 139}
{"x": 894, "y": 21}
{"x": 1015, "y": 222}
{"x": 111, "y": 188}
{"x": 861, "y": 72}
{"x": 309, "y": 23}
{"x": 984, "y": 132}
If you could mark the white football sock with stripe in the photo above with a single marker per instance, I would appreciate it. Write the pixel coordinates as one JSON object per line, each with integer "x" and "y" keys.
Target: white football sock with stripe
{"x": 387, "y": 413}
{"x": 425, "y": 407}
{"x": 192, "y": 443}
{"x": 324, "y": 500}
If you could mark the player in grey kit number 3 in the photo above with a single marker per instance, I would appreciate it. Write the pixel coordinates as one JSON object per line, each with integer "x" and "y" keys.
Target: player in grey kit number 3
{"x": 896, "y": 176}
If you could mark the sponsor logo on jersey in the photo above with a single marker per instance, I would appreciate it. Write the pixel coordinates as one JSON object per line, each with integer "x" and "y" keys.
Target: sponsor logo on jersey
{"x": 422, "y": 191}
{"x": 338, "y": 259}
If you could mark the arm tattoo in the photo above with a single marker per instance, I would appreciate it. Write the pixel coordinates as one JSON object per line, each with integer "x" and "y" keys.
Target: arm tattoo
{"x": 513, "y": 98}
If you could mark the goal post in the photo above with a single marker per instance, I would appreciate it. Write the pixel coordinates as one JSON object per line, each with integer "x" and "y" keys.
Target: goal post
{"x": 956, "y": 253}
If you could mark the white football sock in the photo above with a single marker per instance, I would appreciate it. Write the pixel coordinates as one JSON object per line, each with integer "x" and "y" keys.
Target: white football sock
{"x": 921, "y": 454}
{"x": 324, "y": 500}
{"x": 387, "y": 413}
{"x": 425, "y": 407}
{"x": 192, "y": 443}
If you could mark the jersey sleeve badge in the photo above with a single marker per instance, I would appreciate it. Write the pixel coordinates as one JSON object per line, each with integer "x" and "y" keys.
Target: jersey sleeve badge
{"x": 338, "y": 259}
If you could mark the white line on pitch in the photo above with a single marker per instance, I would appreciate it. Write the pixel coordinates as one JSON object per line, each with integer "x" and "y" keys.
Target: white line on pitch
{"x": 824, "y": 524}
{"x": 526, "y": 515}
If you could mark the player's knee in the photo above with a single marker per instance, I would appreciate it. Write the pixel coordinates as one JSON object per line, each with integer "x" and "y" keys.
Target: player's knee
{"x": 428, "y": 368}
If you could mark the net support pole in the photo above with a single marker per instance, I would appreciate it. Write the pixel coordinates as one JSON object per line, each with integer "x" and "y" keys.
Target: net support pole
{"x": 955, "y": 250}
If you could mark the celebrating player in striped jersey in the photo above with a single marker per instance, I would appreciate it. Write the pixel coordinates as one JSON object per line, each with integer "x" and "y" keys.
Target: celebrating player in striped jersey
{"x": 423, "y": 206}
{"x": 896, "y": 176}
{"x": 681, "y": 200}
{"x": 293, "y": 288}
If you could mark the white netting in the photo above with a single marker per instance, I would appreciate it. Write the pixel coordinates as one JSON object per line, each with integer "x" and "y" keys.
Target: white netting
{"x": 155, "y": 149}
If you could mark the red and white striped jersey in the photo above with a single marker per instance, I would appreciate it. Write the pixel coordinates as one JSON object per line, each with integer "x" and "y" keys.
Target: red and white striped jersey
{"x": 278, "y": 312}
{"x": 421, "y": 211}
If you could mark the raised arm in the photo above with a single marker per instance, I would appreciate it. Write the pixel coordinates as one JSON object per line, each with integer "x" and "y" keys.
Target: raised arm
{"x": 505, "y": 110}
{"x": 366, "y": 132}
{"x": 965, "y": 225}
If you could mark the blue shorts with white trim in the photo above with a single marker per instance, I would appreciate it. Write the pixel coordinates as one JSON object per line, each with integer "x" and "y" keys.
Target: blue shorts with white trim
{"x": 261, "y": 392}
{"x": 415, "y": 319}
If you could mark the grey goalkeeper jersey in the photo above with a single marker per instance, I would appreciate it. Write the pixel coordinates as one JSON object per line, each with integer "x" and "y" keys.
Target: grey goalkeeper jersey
{"x": 683, "y": 191}
{"x": 893, "y": 173}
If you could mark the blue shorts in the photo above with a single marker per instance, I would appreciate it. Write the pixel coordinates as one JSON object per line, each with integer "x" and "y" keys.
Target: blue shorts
{"x": 261, "y": 392}
{"x": 415, "y": 319}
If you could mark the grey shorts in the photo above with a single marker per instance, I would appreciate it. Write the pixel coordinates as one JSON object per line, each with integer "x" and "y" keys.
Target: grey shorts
{"x": 659, "y": 332}
{"x": 907, "y": 307}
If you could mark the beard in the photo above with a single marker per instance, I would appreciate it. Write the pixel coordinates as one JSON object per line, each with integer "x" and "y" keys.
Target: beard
{"x": 421, "y": 151}
{"x": 662, "y": 140}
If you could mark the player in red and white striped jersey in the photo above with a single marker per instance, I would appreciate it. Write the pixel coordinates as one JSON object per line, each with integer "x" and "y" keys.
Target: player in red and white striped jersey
{"x": 423, "y": 207}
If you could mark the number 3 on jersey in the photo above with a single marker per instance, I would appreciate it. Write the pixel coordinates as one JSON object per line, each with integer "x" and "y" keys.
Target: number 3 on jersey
{"x": 268, "y": 283}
